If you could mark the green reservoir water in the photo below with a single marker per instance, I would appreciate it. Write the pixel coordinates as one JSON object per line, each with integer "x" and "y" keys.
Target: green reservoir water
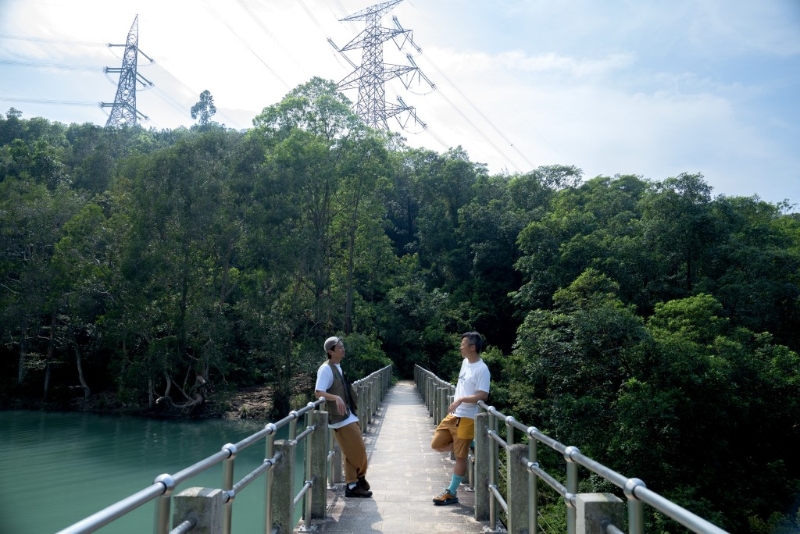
{"x": 57, "y": 468}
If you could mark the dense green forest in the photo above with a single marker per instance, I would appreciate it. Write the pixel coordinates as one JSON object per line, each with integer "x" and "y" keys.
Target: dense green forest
{"x": 649, "y": 323}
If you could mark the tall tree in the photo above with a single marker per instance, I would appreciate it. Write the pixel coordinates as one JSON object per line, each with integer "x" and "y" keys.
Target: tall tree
{"x": 204, "y": 108}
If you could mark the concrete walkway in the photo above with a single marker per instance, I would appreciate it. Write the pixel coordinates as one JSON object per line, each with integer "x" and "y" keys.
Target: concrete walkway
{"x": 405, "y": 474}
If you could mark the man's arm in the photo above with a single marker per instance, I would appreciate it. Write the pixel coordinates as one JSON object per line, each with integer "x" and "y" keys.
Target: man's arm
{"x": 472, "y": 399}
{"x": 341, "y": 407}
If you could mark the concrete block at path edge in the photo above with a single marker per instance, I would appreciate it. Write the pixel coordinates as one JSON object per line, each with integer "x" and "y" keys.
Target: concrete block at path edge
{"x": 593, "y": 509}
{"x": 204, "y": 504}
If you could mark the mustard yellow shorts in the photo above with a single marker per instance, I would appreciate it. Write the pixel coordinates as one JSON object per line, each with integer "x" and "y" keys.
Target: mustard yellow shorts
{"x": 460, "y": 431}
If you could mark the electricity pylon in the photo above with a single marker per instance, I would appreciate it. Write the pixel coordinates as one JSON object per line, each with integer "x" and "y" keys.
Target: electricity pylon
{"x": 373, "y": 73}
{"x": 123, "y": 110}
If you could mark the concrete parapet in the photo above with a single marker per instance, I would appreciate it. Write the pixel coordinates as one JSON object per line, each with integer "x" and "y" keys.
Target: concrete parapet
{"x": 593, "y": 510}
{"x": 319, "y": 464}
{"x": 283, "y": 486}
{"x": 517, "y": 493}
{"x": 482, "y": 452}
{"x": 204, "y": 505}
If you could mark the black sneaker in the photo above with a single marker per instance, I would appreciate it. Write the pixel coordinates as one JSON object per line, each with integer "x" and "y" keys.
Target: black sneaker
{"x": 445, "y": 498}
{"x": 357, "y": 491}
{"x": 362, "y": 483}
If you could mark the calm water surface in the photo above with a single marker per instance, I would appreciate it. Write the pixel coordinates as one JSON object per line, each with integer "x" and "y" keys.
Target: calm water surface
{"x": 57, "y": 468}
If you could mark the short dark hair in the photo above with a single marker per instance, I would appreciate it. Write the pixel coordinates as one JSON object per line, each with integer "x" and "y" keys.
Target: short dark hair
{"x": 474, "y": 338}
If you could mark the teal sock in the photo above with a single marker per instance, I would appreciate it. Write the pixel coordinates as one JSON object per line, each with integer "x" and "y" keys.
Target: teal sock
{"x": 454, "y": 484}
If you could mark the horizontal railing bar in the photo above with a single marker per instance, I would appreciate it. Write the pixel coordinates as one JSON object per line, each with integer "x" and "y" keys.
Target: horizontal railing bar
{"x": 295, "y": 414}
{"x": 266, "y": 465}
{"x": 372, "y": 375}
{"x": 678, "y": 513}
{"x": 185, "y": 526}
{"x": 494, "y": 436}
{"x": 303, "y": 491}
{"x": 268, "y": 429}
{"x": 534, "y": 468}
{"x": 187, "y": 473}
{"x": 116, "y": 510}
{"x": 498, "y": 497}
{"x": 595, "y": 466}
{"x": 611, "y": 529}
{"x": 304, "y": 433}
{"x": 547, "y": 440}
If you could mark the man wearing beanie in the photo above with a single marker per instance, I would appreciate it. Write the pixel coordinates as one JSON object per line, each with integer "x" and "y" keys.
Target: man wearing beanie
{"x": 333, "y": 386}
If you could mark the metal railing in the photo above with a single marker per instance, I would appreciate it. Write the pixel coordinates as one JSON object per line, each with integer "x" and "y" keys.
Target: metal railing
{"x": 437, "y": 393}
{"x": 373, "y": 388}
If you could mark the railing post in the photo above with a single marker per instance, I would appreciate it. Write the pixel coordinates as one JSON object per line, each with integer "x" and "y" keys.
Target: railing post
{"x": 516, "y": 491}
{"x": 431, "y": 400}
{"x": 336, "y": 462}
{"x": 319, "y": 463}
{"x": 482, "y": 452}
{"x": 437, "y": 396}
{"x": 533, "y": 492}
{"x": 269, "y": 453}
{"x": 161, "y": 520}
{"x": 283, "y": 486}
{"x": 635, "y": 507}
{"x": 444, "y": 393}
{"x": 308, "y": 501}
{"x": 493, "y": 471}
{"x": 362, "y": 421}
{"x": 572, "y": 488}
{"x": 203, "y": 506}
{"x": 227, "y": 485}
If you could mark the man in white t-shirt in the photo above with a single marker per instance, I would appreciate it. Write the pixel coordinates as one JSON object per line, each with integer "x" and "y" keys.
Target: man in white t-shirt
{"x": 333, "y": 386}
{"x": 457, "y": 430}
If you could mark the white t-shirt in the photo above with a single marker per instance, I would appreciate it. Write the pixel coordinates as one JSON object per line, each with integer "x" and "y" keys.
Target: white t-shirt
{"x": 473, "y": 377}
{"x": 324, "y": 382}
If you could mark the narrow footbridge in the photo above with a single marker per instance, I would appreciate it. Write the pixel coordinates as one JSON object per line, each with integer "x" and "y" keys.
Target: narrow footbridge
{"x": 404, "y": 473}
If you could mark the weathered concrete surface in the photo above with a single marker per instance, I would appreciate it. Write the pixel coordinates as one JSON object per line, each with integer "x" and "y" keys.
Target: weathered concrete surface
{"x": 405, "y": 474}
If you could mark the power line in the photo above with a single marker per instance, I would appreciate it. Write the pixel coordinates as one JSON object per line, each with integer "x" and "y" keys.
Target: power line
{"x": 53, "y": 41}
{"x": 495, "y": 128}
{"x": 321, "y": 29}
{"x": 179, "y": 105}
{"x": 266, "y": 30}
{"x": 17, "y": 63}
{"x": 211, "y": 9}
{"x": 479, "y": 131}
{"x": 49, "y": 101}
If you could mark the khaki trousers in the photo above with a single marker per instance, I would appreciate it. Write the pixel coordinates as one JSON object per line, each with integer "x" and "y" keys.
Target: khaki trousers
{"x": 355, "y": 454}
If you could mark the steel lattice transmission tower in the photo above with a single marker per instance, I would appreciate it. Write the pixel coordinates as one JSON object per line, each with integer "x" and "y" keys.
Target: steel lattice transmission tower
{"x": 123, "y": 110}
{"x": 370, "y": 77}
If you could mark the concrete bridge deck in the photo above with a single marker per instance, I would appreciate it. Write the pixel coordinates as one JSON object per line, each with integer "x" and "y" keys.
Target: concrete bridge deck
{"x": 405, "y": 474}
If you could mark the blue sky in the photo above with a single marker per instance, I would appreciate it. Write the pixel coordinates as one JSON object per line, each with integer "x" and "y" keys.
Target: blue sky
{"x": 618, "y": 87}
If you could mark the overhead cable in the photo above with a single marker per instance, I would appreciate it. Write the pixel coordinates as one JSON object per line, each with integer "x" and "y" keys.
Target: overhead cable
{"x": 54, "y": 41}
{"x": 16, "y": 63}
{"x": 266, "y": 30}
{"x": 453, "y": 85}
{"x": 49, "y": 101}
{"x": 211, "y": 9}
